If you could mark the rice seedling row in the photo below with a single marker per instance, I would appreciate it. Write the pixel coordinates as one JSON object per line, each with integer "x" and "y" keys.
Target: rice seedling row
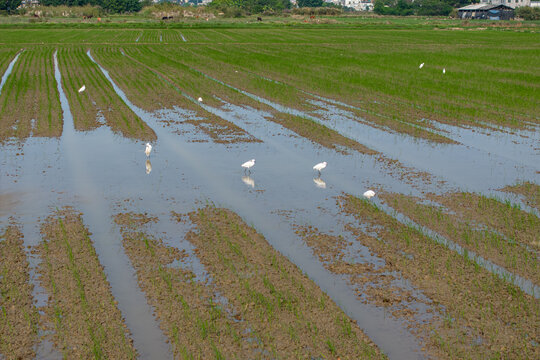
{"x": 267, "y": 307}
{"x": 98, "y": 100}
{"x": 19, "y": 318}
{"x": 530, "y": 192}
{"x": 81, "y": 310}
{"x": 29, "y": 103}
{"x": 481, "y": 314}
{"x": 472, "y": 235}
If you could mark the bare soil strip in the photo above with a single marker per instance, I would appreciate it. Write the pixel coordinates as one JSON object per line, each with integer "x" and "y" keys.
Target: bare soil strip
{"x": 471, "y": 235}
{"x": 98, "y": 101}
{"x": 530, "y": 191}
{"x": 18, "y": 315}
{"x": 517, "y": 225}
{"x": 271, "y": 309}
{"x": 81, "y": 309}
{"x": 483, "y": 316}
{"x": 151, "y": 90}
{"x": 29, "y": 103}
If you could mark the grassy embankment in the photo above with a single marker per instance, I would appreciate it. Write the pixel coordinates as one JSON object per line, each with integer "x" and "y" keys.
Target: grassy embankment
{"x": 29, "y": 103}
{"x": 256, "y": 303}
{"x": 81, "y": 310}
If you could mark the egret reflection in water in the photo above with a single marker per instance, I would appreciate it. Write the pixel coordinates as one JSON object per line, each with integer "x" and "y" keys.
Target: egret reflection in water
{"x": 319, "y": 183}
{"x": 248, "y": 181}
{"x": 148, "y": 166}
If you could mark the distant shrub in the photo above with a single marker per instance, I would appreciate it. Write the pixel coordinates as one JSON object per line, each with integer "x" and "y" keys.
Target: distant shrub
{"x": 317, "y": 11}
{"x": 528, "y": 13}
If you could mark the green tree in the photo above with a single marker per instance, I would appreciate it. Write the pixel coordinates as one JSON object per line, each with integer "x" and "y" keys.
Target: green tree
{"x": 310, "y": 3}
{"x": 9, "y": 5}
{"x": 121, "y": 6}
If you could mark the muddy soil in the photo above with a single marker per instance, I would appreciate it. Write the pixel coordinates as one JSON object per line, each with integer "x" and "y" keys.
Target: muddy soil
{"x": 530, "y": 192}
{"x": 481, "y": 315}
{"x": 81, "y": 311}
{"x": 19, "y": 317}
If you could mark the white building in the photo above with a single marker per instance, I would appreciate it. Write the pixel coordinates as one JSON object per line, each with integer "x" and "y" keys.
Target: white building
{"x": 358, "y": 5}
{"x": 511, "y": 3}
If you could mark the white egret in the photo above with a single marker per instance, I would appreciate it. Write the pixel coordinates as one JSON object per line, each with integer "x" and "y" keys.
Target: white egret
{"x": 421, "y": 65}
{"x": 319, "y": 183}
{"x": 148, "y": 149}
{"x": 248, "y": 164}
{"x": 248, "y": 181}
{"x": 82, "y": 89}
{"x": 369, "y": 194}
{"x": 148, "y": 166}
{"x": 200, "y": 99}
{"x": 319, "y": 167}
{"x": 444, "y": 70}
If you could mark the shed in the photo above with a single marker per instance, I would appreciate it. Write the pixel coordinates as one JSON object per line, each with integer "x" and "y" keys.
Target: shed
{"x": 488, "y": 12}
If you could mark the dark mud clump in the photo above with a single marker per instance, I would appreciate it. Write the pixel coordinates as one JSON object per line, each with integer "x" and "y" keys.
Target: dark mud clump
{"x": 482, "y": 316}
{"x": 81, "y": 309}
{"x": 18, "y": 315}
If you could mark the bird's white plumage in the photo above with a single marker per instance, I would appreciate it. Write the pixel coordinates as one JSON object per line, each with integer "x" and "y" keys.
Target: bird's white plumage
{"x": 200, "y": 99}
{"x": 248, "y": 164}
{"x": 148, "y": 166}
{"x": 369, "y": 194}
{"x": 320, "y": 166}
{"x": 148, "y": 149}
{"x": 82, "y": 89}
{"x": 421, "y": 65}
{"x": 444, "y": 70}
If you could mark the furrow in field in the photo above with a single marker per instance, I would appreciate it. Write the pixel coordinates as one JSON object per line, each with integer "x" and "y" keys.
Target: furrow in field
{"x": 81, "y": 309}
{"x": 6, "y": 56}
{"x": 530, "y": 192}
{"x": 155, "y": 92}
{"x": 291, "y": 96}
{"x": 255, "y": 304}
{"x": 19, "y": 317}
{"x": 29, "y": 103}
{"x": 482, "y": 316}
{"x": 473, "y": 235}
{"x": 98, "y": 103}
{"x": 218, "y": 95}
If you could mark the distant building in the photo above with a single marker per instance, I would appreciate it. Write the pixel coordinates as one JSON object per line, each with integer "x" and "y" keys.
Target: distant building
{"x": 512, "y": 3}
{"x": 358, "y": 5}
{"x": 486, "y": 11}
{"x": 29, "y": 3}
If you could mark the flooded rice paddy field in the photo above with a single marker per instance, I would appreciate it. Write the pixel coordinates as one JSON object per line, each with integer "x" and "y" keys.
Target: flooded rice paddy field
{"x": 109, "y": 253}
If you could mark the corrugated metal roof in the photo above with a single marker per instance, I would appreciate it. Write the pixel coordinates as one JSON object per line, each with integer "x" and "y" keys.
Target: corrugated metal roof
{"x": 483, "y": 6}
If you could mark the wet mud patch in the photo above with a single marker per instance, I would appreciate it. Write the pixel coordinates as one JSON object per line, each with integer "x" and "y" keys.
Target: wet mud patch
{"x": 30, "y": 103}
{"x": 507, "y": 219}
{"x": 81, "y": 311}
{"x": 268, "y": 308}
{"x": 530, "y": 192}
{"x": 19, "y": 317}
{"x": 98, "y": 100}
{"x": 482, "y": 316}
{"x": 470, "y": 234}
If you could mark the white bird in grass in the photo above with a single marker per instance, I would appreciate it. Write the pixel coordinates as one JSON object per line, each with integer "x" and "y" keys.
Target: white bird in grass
{"x": 148, "y": 149}
{"x": 82, "y": 89}
{"x": 248, "y": 181}
{"x": 248, "y": 164}
{"x": 444, "y": 70}
{"x": 421, "y": 65}
{"x": 319, "y": 167}
{"x": 148, "y": 166}
{"x": 369, "y": 194}
{"x": 200, "y": 99}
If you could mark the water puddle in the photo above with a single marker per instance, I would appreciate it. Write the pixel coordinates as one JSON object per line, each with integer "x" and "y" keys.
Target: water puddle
{"x": 183, "y": 38}
{"x": 9, "y": 70}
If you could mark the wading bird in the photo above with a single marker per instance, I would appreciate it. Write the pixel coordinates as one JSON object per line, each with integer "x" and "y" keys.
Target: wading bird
{"x": 319, "y": 167}
{"x": 148, "y": 149}
{"x": 200, "y": 99}
{"x": 248, "y": 165}
{"x": 444, "y": 70}
{"x": 369, "y": 194}
{"x": 421, "y": 65}
{"x": 82, "y": 89}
